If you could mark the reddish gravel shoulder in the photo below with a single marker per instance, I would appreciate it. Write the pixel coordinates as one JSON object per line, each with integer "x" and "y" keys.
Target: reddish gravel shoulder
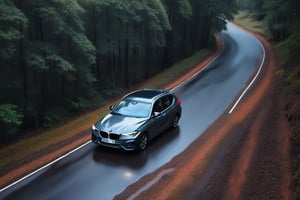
{"x": 245, "y": 155}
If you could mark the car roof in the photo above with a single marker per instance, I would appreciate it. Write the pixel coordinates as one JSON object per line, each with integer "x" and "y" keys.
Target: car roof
{"x": 147, "y": 95}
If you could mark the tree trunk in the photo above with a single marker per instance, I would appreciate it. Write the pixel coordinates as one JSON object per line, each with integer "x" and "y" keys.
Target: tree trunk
{"x": 126, "y": 59}
{"x": 95, "y": 40}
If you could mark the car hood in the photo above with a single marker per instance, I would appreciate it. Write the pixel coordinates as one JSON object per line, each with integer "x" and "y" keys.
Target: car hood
{"x": 119, "y": 123}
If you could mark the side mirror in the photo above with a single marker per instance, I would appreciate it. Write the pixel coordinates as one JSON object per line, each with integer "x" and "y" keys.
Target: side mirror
{"x": 156, "y": 114}
{"x": 111, "y": 107}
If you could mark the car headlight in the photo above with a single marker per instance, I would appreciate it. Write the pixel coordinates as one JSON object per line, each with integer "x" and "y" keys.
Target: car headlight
{"x": 132, "y": 134}
{"x": 94, "y": 128}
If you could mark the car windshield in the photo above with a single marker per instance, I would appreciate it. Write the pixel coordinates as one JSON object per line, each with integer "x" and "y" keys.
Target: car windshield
{"x": 133, "y": 108}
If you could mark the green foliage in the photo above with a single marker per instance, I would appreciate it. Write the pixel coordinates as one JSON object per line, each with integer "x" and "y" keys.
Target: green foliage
{"x": 10, "y": 121}
{"x": 9, "y": 114}
{"x": 10, "y": 14}
{"x": 67, "y": 56}
{"x": 36, "y": 61}
{"x": 279, "y": 16}
{"x": 54, "y": 115}
{"x": 291, "y": 81}
{"x": 162, "y": 14}
{"x": 289, "y": 49}
{"x": 61, "y": 64}
{"x": 50, "y": 17}
{"x": 10, "y": 19}
{"x": 84, "y": 47}
{"x": 246, "y": 19}
{"x": 185, "y": 9}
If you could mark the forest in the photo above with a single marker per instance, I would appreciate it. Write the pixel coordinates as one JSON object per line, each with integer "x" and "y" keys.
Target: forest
{"x": 59, "y": 58}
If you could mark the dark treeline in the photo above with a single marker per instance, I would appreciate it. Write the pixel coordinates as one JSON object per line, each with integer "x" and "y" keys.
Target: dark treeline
{"x": 61, "y": 57}
{"x": 282, "y": 20}
{"x": 282, "y": 23}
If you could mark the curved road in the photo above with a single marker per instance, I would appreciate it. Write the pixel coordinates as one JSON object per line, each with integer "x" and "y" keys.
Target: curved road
{"x": 94, "y": 172}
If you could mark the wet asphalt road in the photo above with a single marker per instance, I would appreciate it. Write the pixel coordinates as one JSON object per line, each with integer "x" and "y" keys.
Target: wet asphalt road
{"x": 95, "y": 172}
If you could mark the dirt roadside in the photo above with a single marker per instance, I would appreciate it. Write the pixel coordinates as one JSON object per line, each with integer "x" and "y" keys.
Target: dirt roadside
{"x": 245, "y": 155}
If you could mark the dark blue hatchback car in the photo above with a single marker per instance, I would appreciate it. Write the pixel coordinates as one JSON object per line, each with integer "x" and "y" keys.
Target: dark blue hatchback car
{"x": 137, "y": 118}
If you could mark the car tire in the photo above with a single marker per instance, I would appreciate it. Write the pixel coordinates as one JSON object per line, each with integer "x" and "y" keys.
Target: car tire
{"x": 175, "y": 121}
{"x": 143, "y": 142}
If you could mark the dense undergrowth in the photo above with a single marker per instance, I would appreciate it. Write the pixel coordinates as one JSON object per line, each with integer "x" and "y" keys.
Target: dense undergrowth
{"x": 288, "y": 52}
{"x": 290, "y": 87}
{"x": 288, "y": 55}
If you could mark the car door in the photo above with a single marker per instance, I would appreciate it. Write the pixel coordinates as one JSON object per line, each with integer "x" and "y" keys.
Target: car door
{"x": 168, "y": 115}
{"x": 160, "y": 115}
{"x": 156, "y": 124}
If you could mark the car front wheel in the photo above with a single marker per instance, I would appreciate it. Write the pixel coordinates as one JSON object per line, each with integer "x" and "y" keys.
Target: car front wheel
{"x": 143, "y": 142}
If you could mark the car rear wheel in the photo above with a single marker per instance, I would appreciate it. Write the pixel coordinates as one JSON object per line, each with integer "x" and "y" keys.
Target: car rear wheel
{"x": 175, "y": 121}
{"x": 143, "y": 142}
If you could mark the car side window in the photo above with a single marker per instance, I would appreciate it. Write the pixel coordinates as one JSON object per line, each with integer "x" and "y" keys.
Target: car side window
{"x": 167, "y": 101}
{"x": 158, "y": 106}
{"x": 163, "y": 103}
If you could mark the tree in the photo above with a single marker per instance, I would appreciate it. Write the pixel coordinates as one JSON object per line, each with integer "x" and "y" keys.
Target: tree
{"x": 10, "y": 19}
{"x": 126, "y": 35}
{"x": 194, "y": 23}
{"x": 10, "y": 120}
{"x": 180, "y": 15}
{"x": 279, "y": 16}
{"x": 67, "y": 55}
{"x": 55, "y": 56}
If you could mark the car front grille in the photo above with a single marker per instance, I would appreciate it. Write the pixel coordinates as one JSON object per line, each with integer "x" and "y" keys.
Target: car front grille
{"x": 112, "y": 136}
{"x": 104, "y": 134}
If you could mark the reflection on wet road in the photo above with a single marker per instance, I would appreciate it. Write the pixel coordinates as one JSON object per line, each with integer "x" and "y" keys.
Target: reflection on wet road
{"x": 96, "y": 172}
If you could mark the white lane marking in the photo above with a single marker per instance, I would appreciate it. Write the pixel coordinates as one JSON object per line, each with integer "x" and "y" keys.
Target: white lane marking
{"x": 150, "y": 183}
{"x": 253, "y": 80}
{"x": 45, "y": 166}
